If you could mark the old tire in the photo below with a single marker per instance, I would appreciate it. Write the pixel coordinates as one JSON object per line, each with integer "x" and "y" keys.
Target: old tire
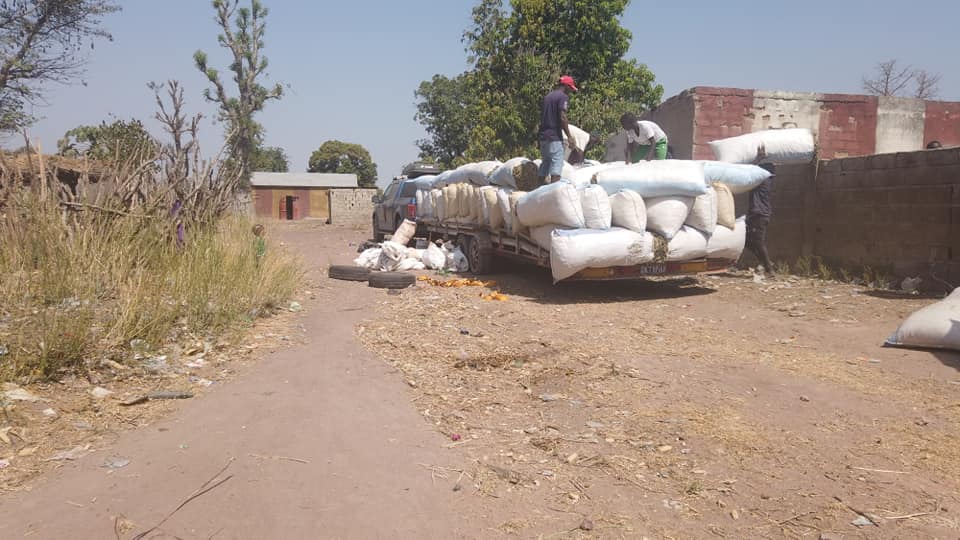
{"x": 479, "y": 254}
{"x": 391, "y": 280}
{"x": 348, "y": 273}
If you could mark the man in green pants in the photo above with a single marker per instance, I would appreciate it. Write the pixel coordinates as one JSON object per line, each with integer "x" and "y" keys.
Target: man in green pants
{"x": 645, "y": 139}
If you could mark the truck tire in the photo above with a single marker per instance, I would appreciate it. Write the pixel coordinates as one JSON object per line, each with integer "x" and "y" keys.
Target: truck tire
{"x": 479, "y": 252}
{"x": 391, "y": 280}
{"x": 348, "y": 273}
{"x": 377, "y": 235}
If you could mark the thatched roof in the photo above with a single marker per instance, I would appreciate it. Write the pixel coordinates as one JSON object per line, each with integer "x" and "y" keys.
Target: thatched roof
{"x": 68, "y": 170}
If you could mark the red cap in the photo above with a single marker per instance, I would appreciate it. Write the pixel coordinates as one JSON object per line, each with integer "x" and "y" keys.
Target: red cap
{"x": 567, "y": 80}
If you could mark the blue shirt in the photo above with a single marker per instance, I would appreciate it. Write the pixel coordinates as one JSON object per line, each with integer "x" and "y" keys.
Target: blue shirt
{"x": 553, "y": 104}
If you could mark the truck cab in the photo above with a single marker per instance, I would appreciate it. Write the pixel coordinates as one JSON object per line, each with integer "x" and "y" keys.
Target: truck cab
{"x": 399, "y": 199}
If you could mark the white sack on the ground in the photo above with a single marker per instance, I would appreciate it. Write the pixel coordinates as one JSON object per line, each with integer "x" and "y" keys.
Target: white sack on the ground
{"x": 687, "y": 244}
{"x": 369, "y": 258}
{"x": 665, "y": 215}
{"x": 739, "y": 177}
{"x": 554, "y": 203}
{"x": 936, "y": 326}
{"x": 574, "y": 250}
{"x": 596, "y": 207}
{"x": 407, "y": 265}
{"x": 457, "y": 261}
{"x": 434, "y": 258}
{"x": 782, "y": 146}
{"x": 726, "y": 207}
{"x": 391, "y": 255}
{"x": 404, "y": 232}
{"x": 727, "y": 243}
{"x": 628, "y": 211}
{"x": 703, "y": 215}
{"x": 475, "y": 173}
{"x": 661, "y": 178}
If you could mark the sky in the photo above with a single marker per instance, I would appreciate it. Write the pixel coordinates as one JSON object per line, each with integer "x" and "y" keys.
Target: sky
{"x": 351, "y": 68}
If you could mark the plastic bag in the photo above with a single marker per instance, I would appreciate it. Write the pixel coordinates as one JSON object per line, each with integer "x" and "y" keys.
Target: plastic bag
{"x": 434, "y": 258}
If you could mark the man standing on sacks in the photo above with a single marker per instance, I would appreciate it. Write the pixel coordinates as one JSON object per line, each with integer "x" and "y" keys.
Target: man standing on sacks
{"x": 553, "y": 126}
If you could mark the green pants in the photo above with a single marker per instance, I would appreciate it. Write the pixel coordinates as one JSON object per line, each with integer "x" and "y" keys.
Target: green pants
{"x": 660, "y": 152}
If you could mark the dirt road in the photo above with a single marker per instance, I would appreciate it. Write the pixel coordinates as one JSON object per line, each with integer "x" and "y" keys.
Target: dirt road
{"x": 690, "y": 409}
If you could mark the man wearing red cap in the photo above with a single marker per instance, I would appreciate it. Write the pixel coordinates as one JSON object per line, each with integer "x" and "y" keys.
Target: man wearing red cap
{"x": 553, "y": 126}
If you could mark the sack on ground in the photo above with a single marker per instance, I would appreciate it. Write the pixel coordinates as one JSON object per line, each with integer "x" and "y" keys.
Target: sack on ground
{"x": 407, "y": 265}
{"x": 739, "y": 177}
{"x": 936, "y": 326}
{"x": 662, "y": 178}
{"x": 596, "y": 207}
{"x": 554, "y": 203}
{"x": 687, "y": 244}
{"x": 434, "y": 258}
{"x": 726, "y": 207}
{"x": 703, "y": 215}
{"x": 369, "y": 258}
{"x": 726, "y": 243}
{"x": 391, "y": 255}
{"x": 404, "y": 232}
{"x": 665, "y": 215}
{"x": 781, "y": 145}
{"x": 574, "y": 250}
{"x": 515, "y": 173}
{"x": 628, "y": 211}
{"x": 457, "y": 261}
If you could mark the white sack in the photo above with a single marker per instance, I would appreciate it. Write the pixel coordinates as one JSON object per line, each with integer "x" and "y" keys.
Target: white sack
{"x": 425, "y": 182}
{"x": 628, "y": 211}
{"x": 574, "y": 250}
{"x": 516, "y": 226}
{"x": 687, "y": 244}
{"x": 584, "y": 175}
{"x": 457, "y": 261}
{"x": 936, "y": 326}
{"x": 506, "y": 211}
{"x": 660, "y": 178}
{"x": 726, "y": 243}
{"x": 492, "y": 215}
{"x": 404, "y": 232}
{"x": 554, "y": 203}
{"x": 424, "y": 204}
{"x": 739, "y": 177}
{"x": 369, "y": 258}
{"x": 703, "y": 215}
{"x": 416, "y": 254}
{"x": 475, "y": 173}
{"x": 581, "y": 137}
{"x": 391, "y": 255}
{"x": 464, "y": 199}
{"x": 543, "y": 235}
{"x": 782, "y": 146}
{"x": 516, "y": 173}
{"x": 451, "y": 203}
{"x": 665, "y": 215}
{"x": 596, "y": 207}
{"x": 410, "y": 264}
{"x": 434, "y": 258}
{"x": 567, "y": 172}
{"x": 726, "y": 207}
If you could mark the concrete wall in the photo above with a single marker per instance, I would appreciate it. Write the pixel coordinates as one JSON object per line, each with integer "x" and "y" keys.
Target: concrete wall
{"x": 900, "y": 125}
{"x": 352, "y": 207}
{"x": 897, "y": 212}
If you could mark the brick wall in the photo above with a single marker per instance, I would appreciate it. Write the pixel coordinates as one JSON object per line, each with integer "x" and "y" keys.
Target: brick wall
{"x": 848, "y": 125}
{"x": 719, "y": 113}
{"x": 897, "y": 212}
{"x": 943, "y": 123}
{"x": 352, "y": 207}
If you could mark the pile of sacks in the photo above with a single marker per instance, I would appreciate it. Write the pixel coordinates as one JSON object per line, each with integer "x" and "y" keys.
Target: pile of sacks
{"x": 393, "y": 256}
{"x": 614, "y": 214}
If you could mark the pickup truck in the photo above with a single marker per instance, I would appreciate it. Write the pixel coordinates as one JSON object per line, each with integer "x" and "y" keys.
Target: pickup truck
{"x": 399, "y": 200}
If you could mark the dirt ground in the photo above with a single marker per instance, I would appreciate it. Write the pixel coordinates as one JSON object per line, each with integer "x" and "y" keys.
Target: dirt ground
{"x": 700, "y": 408}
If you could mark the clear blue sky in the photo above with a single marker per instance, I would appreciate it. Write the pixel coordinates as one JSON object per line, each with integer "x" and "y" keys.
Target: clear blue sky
{"x": 352, "y": 66}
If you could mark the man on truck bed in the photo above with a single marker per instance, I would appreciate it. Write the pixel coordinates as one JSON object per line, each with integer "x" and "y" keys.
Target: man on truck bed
{"x": 759, "y": 212}
{"x": 553, "y": 126}
{"x": 645, "y": 139}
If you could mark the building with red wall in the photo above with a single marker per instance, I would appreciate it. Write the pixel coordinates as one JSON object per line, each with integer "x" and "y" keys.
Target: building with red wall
{"x": 846, "y": 125}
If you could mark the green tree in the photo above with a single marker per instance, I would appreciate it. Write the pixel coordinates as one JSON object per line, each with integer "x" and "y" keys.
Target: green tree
{"x": 342, "y": 157}
{"x": 269, "y": 159}
{"x": 517, "y": 55}
{"x": 118, "y": 141}
{"x": 42, "y": 42}
{"x": 244, "y": 40}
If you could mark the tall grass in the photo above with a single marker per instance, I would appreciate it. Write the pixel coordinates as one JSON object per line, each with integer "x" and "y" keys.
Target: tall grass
{"x": 85, "y": 287}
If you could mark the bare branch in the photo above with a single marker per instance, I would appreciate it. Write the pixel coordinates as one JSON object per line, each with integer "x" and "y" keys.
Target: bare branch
{"x": 928, "y": 84}
{"x": 889, "y": 80}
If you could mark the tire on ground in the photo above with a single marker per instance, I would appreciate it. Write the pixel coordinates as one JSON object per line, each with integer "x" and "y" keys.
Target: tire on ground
{"x": 348, "y": 273}
{"x": 391, "y": 280}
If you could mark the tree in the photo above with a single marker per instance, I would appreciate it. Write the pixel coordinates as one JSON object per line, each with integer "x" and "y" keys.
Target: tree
{"x": 269, "y": 159}
{"x": 517, "y": 55}
{"x": 42, "y": 42}
{"x": 118, "y": 141}
{"x": 244, "y": 40}
{"x": 892, "y": 80}
{"x": 342, "y": 157}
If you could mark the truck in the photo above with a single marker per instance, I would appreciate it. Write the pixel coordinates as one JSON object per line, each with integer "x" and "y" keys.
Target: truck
{"x": 399, "y": 200}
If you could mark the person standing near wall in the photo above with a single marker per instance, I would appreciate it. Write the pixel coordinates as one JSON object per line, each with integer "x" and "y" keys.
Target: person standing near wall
{"x": 759, "y": 211}
{"x": 553, "y": 127}
{"x": 645, "y": 140}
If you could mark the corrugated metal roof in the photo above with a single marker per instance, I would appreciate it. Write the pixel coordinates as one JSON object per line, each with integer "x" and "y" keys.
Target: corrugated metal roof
{"x": 303, "y": 180}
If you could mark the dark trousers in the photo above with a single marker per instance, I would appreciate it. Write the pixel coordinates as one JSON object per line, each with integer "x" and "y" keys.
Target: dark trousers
{"x": 757, "y": 239}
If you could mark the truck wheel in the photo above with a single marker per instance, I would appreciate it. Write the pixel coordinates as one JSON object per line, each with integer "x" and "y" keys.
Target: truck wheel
{"x": 479, "y": 252}
{"x": 391, "y": 280}
{"x": 377, "y": 235}
{"x": 348, "y": 273}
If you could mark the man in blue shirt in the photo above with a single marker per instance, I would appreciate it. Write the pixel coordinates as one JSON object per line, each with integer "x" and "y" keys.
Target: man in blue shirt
{"x": 553, "y": 126}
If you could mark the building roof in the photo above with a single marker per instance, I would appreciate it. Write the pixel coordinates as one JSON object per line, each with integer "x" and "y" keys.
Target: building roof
{"x": 303, "y": 180}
